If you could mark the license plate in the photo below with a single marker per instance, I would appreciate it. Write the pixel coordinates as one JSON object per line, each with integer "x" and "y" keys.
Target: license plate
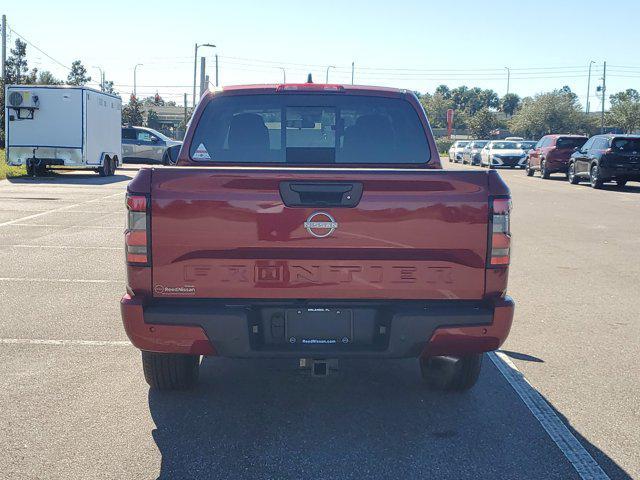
{"x": 319, "y": 326}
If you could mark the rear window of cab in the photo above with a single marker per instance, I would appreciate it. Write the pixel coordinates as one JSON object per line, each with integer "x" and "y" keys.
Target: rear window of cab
{"x": 310, "y": 129}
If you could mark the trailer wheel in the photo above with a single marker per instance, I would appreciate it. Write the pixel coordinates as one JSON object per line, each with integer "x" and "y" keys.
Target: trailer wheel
{"x": 454, "y": 374}
{"x": 105, "y": 169}
{"x": 170, "y": 371}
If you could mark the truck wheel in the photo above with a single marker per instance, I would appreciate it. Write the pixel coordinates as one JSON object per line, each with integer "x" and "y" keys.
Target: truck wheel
{"x": 165, "y": 159}
{"x": 544, "y": 173}
{"x": 170, "y": 371}
{"x": 454, "y": 374}
{"x": 621, "y": 183}
{"x": 594, "y": 177}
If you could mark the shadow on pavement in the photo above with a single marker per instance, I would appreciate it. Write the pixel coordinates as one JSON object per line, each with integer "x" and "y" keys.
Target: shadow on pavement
{"x": 70, "y": 179}
{"x": 373, "y": 419}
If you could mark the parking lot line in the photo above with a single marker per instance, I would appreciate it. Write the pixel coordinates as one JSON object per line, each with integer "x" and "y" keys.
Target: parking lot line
{"x": 60, "y": 280}
{"x": 66, "y": 247}
{"x": 572, "y": 449}
{"x": 88, "y": 343}
{"x": 60, "y": 209}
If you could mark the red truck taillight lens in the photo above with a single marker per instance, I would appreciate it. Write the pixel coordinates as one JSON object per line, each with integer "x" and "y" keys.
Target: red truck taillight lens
{"x": 500, "y": 239}
{"x": 137, "y": 232}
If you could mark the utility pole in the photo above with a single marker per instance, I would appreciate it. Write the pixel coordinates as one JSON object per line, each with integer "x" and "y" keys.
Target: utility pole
{"x": 353, "y": 65}
{"x": 195, "y": 67}
{"x": 508, "y": 78}
{"x": 604, "y": 96}
{"x": 589, "y": 86}
{"x": 217, "y": 70}
{"x": 203, "y": 79}
{"x": 4, "y": 46}
{"x": 185, "y": 109}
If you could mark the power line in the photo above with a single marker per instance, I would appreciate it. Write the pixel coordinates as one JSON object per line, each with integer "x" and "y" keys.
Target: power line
{"x": 39, "y": 49}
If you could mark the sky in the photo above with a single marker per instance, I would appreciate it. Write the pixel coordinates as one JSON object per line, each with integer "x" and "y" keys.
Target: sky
{"x": 406, "y": 43}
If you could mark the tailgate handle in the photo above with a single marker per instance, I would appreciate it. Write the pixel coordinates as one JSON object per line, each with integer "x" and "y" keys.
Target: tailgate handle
{"x": 321, "y": 194}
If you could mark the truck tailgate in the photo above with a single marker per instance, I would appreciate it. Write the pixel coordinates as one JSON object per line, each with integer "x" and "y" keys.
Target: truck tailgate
{"x": 225, "y": 232}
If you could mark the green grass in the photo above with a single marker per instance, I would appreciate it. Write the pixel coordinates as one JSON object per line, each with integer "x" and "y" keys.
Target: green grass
{"x": 6, "y": 170}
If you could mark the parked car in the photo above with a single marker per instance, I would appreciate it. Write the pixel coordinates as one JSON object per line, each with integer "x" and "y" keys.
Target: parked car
{"x": 50, "y": 126}
{"x": 455, "y": 151}
{"x": 471, "y": 153}
{"x": 606, "y": 158}
{"x": 502, "y": 153}
{"x": 551, "y": 154}
{"x": 145, "y": 145}
{"x": 514, "y": 139}
{"x": 243, "y": 256}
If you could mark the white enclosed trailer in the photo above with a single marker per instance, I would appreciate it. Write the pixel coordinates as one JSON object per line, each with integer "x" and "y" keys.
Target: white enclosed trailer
{"x": 63, "y": 127}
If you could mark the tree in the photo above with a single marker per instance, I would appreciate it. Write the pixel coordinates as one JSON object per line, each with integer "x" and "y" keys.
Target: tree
{"x": 510, "y": 103}
{"x": 78, "y": 74}
{"x": 553, "y": 112}
{"x": 436, "y": 107}
{"x": 17, "y": 69}
{"x": 132, "y": 112}
{"x": 152, "y": 120}
{"x": 155, "y": 100}
{"x": 107, "y": 87}
{"x": 482, "y": 122}
{"x": 625, "y": 110}
{"x": 45, "y": 77}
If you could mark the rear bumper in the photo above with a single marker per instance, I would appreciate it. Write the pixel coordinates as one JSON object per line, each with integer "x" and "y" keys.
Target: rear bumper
{"x": 630, "y": 172}
{"x": 559, "y": 165}
{"x": 395, "y": 329}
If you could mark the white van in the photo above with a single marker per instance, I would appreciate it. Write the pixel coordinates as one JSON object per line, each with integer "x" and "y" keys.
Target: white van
{"x": 62, "y": 127}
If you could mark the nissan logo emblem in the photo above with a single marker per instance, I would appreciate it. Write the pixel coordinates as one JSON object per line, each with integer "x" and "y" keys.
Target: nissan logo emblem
{"x": 320, "y": 224}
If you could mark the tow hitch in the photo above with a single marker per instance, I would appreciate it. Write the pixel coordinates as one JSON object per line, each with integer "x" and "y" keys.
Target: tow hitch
{"x": 319, "y": 367}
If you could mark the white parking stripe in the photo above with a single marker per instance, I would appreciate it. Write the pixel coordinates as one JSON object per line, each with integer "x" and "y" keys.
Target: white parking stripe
{"x": 49, "y": 225}
{"x": 89, "y": 343}
{"x": 61, "y": 280}
{"x": 572, "y": 449}
{"x": 60, "y": 209}
{"x": 65, "y": 247}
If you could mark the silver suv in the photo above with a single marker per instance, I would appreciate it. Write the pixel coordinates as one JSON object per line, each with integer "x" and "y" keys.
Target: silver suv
{"x": 141, "y": 144}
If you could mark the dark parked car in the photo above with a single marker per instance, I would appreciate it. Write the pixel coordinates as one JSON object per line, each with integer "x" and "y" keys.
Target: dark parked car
{"x": 606, "y": 158}
{"x": 471, "y": 153}
{"x": 145, "y": 145}
{"x": 551, "y": 154}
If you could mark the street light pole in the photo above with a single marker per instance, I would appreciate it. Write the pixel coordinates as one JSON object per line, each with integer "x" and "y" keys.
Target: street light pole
{"x": 589, "y": 86}
{"x": 327, "y": 76}
{"x": 353, "y": 67}
{"x": 284, "y": 74}
{"x": 604, "y": 95}
{"x": 135, "y": 83}
{"x": 195, "y": 67}
{"x": 508, "y": 78}
{"x": 101, "y": 78}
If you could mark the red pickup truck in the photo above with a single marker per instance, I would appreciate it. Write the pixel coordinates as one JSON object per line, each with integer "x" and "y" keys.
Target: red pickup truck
{"x": 314, "y": 221}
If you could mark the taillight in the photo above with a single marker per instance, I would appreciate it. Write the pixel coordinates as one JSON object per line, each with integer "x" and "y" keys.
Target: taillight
{"x": 500, "y": 238}
{"x": 137, "y": 232}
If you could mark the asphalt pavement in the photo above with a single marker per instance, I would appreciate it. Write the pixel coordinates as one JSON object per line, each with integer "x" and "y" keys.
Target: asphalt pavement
{"x": 74, "y": 404}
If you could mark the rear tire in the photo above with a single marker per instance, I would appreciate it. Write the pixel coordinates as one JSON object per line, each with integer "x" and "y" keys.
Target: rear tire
{"x": 529, "y": 170}
{"x": 170, "y": 371}
{"x": 544, "y": 173}
{"x": 621, "y": 183}
{"x": 453, "y": 374}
